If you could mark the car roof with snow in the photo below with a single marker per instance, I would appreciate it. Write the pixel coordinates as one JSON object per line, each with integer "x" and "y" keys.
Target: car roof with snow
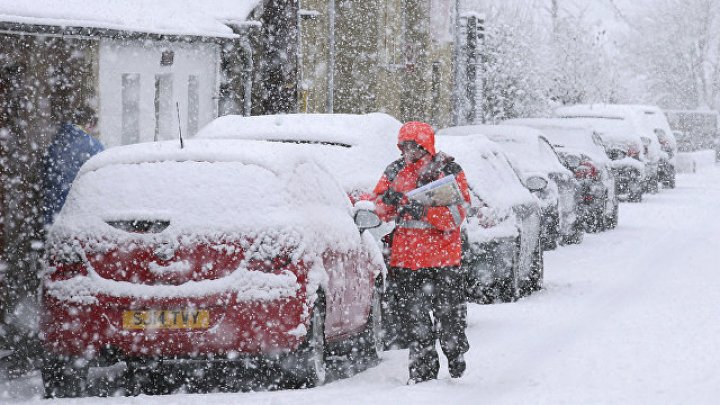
{"x": 630, "y": 113}
{"x": 274, "y": 157}
{"x": 657, "y": 118}
{"x": 613, "y": 131}
{"x": 487, "y": 170}
{"x": 524, "y": 146}
{"x": 209, "y": 186}
{"x": 566, "y": 134}
{"x": 355, "y": 148}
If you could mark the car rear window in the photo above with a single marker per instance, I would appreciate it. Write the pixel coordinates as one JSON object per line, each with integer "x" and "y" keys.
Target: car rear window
{"x": 202, "y": 195}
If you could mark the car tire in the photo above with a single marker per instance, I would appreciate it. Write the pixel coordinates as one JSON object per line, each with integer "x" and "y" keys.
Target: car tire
{"x": 612, "y": 221}
{"x": 537, "y": 272}
{"x": 510, "y": 288}
{"x": 145, "y": 376}
{"x": 636, "y": 194}
{"x": 306, "y": 367}
{"x": 671, "y": 180}
{"x": 64, "y": 377}
{"x": 371, "y": 340}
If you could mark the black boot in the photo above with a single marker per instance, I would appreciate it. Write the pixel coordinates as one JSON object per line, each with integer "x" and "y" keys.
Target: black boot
{"x": 457, "y": 366}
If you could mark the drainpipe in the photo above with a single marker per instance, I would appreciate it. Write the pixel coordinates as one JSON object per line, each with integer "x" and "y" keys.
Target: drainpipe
{"x": 246, "y": 31}
{"x": 248, "y": 71}
{"x": 331, "y": 57}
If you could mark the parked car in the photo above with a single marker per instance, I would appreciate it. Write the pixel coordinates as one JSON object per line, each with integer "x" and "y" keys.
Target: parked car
{"x": 657, "y": 120}
{"x": 503, "y": 255}
{"x": 635, "y": 122}
{"x": 356, "y": 148}
{"x": 582, "y": 153}
{"x": 539, "y": 168}
{"x": 224, "y": 251}
{"x": 624, "y": 148}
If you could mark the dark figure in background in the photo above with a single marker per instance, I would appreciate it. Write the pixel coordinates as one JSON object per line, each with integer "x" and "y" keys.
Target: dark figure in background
{"x": 71, "y": 147}
{"x": 426, "y": 254}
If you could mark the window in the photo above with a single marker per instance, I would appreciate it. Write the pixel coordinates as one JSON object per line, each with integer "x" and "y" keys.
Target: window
{"x": 130, "y": 108}
{"x": 163, "y": 106}
{"x": 193, "y": 105}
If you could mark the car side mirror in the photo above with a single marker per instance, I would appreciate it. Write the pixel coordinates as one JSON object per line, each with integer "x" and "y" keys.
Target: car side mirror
{"x": 536, "y": 183}
{"x": 366, "y": 219}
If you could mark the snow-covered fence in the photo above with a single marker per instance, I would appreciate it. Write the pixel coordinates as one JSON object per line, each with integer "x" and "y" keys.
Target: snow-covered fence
{"x": 691, "y": 162}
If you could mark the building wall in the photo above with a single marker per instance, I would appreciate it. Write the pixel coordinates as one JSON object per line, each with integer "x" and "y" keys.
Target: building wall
{"x": 138, "y": 95}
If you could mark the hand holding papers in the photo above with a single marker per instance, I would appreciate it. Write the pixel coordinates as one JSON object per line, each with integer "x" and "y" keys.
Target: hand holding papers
{"x": 442, "y": 192}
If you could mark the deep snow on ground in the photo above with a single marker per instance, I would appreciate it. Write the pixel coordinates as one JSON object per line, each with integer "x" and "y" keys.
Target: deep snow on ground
{"x": 630, "y": 316}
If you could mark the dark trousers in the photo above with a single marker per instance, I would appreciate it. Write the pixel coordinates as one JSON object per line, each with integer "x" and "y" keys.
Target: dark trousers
{"x": 436, "y": 291}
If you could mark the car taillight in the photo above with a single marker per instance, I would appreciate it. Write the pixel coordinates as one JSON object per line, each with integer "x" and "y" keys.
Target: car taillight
{"x": 586, "y": 170}
{"x": 633, "y": 152}
{"x": 66, "y": 262}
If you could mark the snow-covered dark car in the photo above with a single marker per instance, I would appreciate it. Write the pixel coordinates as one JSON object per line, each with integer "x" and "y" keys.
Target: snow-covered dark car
{"x": 635, "y": 125}
{"x": 624, "y": 148}
{"x": 657, "y": 120}
{"x": 224, "y": 251}
{"x": 582, "y": 153}
{"x": 540, "y": 170}
{"x": 503, "y": 255}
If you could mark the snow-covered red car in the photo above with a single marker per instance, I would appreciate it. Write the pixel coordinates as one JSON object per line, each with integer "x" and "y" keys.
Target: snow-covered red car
{"x": 221, "y": 251}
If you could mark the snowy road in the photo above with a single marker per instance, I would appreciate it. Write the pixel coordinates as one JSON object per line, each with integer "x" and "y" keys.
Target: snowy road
{"x": 630, "y": 316}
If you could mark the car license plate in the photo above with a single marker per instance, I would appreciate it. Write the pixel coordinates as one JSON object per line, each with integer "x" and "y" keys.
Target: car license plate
{"x": 166, "y": 319}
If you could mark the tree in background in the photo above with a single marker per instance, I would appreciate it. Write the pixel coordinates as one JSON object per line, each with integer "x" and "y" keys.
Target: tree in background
{"x": 542, "y": 54}
{"x": 675, "y": 45}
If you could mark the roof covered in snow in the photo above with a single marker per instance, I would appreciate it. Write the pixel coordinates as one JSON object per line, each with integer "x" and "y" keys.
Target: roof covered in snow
{"x": 229, "y": 11}
{"x": 164, "y": 17}
{"x": 355, "y": 148}
{"x": 567, "y": 134}
{"x": 521, "y": 144}
{"x": 488, "y": 172}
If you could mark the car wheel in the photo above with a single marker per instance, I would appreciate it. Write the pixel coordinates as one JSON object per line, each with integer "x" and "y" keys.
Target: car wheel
{"x": 636, "y": 193}
{"x": 537, "y": 272}
{"x": 145, "y": 376}
{"x": 64, "y": 377}
{"x": 306, "y": 367}
{"x": 510, "y": 289}
{"x": 372, "y": 338}
{"x": 612, "y": 221}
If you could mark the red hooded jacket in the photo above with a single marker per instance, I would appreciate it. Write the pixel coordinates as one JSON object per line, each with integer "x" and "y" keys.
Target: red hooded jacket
{"x": 433, "y": 240}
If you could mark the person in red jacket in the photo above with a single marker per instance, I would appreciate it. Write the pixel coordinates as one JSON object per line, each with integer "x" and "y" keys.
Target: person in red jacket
{"x": 426, "y": 252}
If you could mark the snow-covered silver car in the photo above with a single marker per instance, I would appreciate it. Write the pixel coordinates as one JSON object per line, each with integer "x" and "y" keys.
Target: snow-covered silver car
{"x": 503, "y": 254}
{"x": 541, "y": 171}
{"x": 636, "y": 125}
{"x": 582, "y": 152}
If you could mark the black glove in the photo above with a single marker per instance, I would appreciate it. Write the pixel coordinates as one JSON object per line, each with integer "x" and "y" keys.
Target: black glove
{"x": 392, "y": 197}
{"x": 413, "y": 209}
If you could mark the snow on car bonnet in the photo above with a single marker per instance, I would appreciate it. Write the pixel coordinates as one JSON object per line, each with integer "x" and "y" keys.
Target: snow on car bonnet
{"x": 354, "y": 148}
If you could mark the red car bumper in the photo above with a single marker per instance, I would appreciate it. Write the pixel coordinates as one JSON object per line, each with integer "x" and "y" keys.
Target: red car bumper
{"x": 233, "y": 328}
